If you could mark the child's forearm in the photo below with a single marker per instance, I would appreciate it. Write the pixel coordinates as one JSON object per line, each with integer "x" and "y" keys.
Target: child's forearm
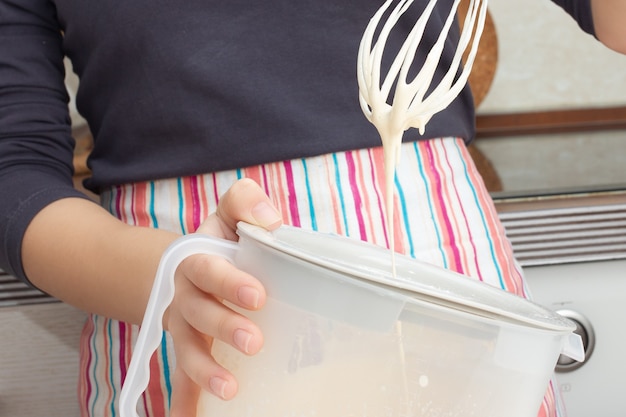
{"x": 76, "y": 251}
{"x": 609, "y": 17}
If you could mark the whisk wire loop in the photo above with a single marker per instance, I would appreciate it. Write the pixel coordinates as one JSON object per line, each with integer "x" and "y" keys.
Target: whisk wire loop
{"x": 412, "y": 105}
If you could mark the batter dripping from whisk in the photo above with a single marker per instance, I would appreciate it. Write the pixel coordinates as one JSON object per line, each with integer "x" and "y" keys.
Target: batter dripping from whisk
{"x": 411, "y": 106}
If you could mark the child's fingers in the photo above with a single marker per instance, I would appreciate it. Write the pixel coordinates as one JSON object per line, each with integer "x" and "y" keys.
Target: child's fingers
{"x": 218, "y": 277}
{"x": 184, "y": 395}
{"x": 246, "y": 201}
{"x": 207, "y": 315}
{"x": 193, "y": 358}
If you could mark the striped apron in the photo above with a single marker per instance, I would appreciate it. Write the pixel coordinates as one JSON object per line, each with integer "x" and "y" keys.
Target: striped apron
{"x": 443, "y": 215}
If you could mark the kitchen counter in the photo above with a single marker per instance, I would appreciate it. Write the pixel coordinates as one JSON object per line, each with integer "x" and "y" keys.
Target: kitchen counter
{"x": 39, "y": 360}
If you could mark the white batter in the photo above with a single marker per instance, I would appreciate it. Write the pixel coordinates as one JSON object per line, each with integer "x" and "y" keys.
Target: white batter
{"x": 411, "y": 107}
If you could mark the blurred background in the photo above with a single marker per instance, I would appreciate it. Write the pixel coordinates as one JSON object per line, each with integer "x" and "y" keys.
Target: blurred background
{"x": 546, "y": 63}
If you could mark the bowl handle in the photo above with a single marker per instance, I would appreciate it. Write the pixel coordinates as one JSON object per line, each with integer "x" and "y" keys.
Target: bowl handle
{"x": 151, "y": 331}
{"x": 573, "y": 347}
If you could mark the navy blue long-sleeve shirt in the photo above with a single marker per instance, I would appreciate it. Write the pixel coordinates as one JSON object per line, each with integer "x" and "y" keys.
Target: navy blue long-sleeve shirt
{"x": 181, "y": 88}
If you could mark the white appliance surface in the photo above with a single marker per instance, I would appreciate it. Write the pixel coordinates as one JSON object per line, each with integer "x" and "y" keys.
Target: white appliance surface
{"x": 597, "y": 290}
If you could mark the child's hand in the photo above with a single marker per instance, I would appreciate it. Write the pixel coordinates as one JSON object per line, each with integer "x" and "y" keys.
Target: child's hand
{"x": 197, "y": 315}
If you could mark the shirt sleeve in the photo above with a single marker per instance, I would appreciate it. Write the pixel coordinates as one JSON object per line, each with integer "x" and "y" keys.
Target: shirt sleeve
{"x": 36, "y": 147}
{"x": 580, "y": 10}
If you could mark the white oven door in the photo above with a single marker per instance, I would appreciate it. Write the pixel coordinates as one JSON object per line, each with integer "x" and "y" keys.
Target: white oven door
{"x": 594, "y": 294}
{"x": 573, "y": 252}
